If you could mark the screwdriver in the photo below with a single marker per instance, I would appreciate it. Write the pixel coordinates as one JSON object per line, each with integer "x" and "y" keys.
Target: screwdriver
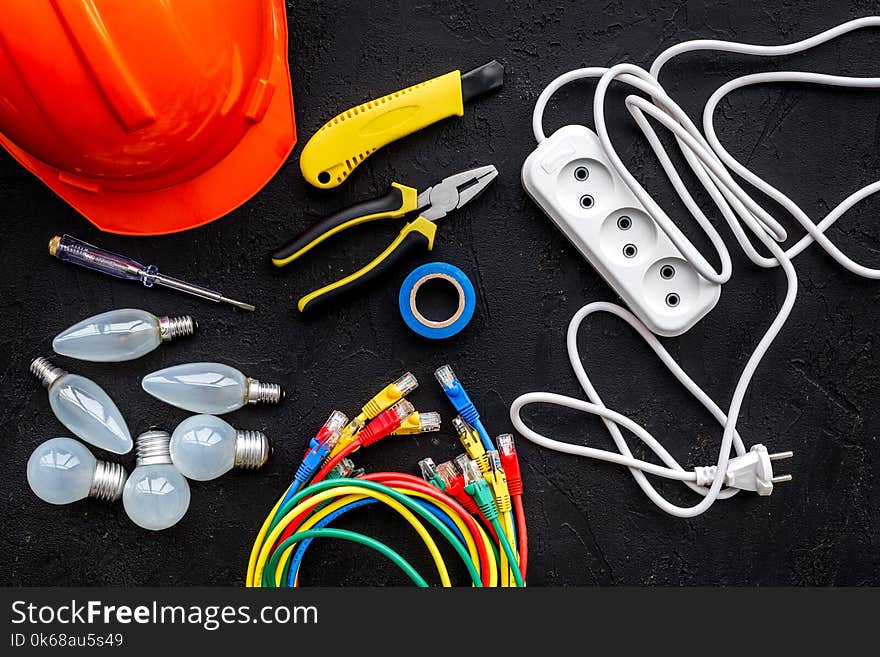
{"x": 70, "y": 249}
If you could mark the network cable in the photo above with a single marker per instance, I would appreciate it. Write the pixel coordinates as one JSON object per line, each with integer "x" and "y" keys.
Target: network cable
{"x": 471, "y": 513}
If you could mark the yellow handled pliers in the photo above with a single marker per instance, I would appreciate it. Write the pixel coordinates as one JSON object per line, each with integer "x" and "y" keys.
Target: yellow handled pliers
{"x": 433, "y": 203}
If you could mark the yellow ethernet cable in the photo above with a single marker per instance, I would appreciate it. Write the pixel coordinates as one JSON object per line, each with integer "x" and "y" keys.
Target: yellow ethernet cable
{"x": 258, "y": 542}
{"x": 419, "y": 423}
{"x": 346, "y": 436}
{"x": 497, "y": 480}
{"x": 472, "y": 444}
{"x": 386, "y": 398}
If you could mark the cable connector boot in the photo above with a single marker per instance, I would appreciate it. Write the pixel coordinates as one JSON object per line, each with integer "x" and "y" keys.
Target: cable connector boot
{"x": 388, "y": 396}
{"x": 456, "y": 394}
{"x": 510, "y": 463}
{"x": 419, "y": 423}
{"x": 347, "y": 436}
{"x": 343, "y": 470}
{"x": 471, "y": 442}
{"x": 429, "y": 473}
{"x": 311, "y": 461}
{"x": 475, "y": 486}
{"x": 453, "y": 481}
{"x": 385, "y": 423}
{"x": 333, "y": 425}
{"x": 497, "y": 481}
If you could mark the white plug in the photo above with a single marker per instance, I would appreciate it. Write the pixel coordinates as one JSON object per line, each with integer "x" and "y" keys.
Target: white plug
{"x": 752, "y": 471}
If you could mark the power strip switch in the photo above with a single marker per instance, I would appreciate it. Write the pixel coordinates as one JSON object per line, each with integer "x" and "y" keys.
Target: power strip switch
{"x": 569, "y": 176}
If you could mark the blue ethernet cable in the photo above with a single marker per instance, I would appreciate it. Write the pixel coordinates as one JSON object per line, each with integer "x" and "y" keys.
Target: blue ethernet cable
{"x": 318, "y": 451}
{"x": 459, "y": 398}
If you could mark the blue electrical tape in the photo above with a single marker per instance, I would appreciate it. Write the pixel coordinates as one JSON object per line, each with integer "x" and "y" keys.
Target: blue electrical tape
{"x": 467, "y": 300}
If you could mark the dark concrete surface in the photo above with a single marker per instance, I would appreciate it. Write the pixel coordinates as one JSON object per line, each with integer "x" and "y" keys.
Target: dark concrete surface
{"x": 589, "y": 523}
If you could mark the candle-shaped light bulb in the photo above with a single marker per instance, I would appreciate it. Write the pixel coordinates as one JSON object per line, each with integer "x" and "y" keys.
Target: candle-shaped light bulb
{"x": 156, "y": 495}
{"x": 82, "y": 406}
{"x": 203, "y": 447}
{"x": 120, "y": 335}
{"x": 212, "y": 388}
{"x": 63, "y": 470}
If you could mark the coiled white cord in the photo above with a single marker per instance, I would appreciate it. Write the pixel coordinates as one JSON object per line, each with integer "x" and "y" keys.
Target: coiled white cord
{"x": 712, "y": 165}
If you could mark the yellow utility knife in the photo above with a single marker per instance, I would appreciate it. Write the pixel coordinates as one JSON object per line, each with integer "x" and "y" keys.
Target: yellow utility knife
{"x": 432, "y": 204}
{"x": 351, "y": 137}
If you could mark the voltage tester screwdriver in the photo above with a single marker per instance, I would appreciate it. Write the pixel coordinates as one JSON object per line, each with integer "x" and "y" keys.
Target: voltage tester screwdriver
{"x": 70, "y": 249}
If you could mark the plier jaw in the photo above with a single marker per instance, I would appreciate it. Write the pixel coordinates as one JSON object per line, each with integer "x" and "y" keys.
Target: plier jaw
{"x": 455, "y": 191}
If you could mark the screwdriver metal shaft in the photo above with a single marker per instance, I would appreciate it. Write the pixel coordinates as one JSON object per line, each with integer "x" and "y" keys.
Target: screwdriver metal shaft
{"x": 70, "y": 249}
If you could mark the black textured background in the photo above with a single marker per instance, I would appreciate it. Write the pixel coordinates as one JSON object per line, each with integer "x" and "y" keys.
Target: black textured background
{"x": 589, "y": 523}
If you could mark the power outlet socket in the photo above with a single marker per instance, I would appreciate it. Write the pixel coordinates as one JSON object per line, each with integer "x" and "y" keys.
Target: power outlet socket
{"x": 569, "y": 176}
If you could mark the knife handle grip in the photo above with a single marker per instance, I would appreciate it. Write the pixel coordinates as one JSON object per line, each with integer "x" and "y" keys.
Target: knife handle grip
{"x": 352, "y": 136}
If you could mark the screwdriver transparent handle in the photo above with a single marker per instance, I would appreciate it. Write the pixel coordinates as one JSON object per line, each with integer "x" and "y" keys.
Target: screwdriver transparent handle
{"x": 70, "y": 249}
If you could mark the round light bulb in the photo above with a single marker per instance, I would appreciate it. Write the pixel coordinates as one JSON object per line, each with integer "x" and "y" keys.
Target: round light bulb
{"x": 156, "y": 495}
{"x": 212, "y": 388}
{"x": 203, "y": 447}
{"x": 82, "y": 406}
{"x": 63, "y": 470}
{"x": 120, "y": 335}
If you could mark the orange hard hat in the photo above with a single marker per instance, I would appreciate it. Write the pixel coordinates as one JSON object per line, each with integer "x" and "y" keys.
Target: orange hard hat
{"x": 148, "y": 117}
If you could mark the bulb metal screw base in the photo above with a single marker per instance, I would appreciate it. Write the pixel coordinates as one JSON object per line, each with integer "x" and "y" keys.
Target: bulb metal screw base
{"x": 176, "y": 327}
{"x": 108, "y": 481}
{"x": 251, "y": 450}
{"x": 45, "y": 371}
{"x": 153, "y": 447}
{"x": 263, "y": 393}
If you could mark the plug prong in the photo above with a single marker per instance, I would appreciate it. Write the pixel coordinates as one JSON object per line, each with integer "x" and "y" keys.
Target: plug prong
{"x": 781, "y": 479}
{"x": 781, "y": 456}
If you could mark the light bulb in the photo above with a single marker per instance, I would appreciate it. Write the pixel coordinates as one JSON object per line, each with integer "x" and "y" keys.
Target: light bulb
{"x": 203, "y": 447}
{"x": 83, "y": 407}
{"x": 209, "y": 388}
{"x": 120, "y": 335}
{"x": 156, "y": 495}
{"x": 63, "y": 470}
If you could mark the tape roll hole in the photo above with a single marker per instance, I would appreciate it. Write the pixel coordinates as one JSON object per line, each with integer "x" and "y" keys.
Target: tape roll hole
{"x": 437, "y": 300}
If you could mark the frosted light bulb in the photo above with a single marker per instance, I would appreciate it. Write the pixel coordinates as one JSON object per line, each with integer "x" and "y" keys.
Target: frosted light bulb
{"x": 203, "y": 447}
{"x": 63, "y": 470}
{"x": 156, "y": 495}
{"x": 82, "y": 406}
{"x": 211, "y": 388}
{"x": 120, "y": 335}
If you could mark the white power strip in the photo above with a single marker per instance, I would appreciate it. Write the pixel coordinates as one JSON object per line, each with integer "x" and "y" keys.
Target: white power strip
{"x": 580, "y": 181}
{"x": 570, "y": 177}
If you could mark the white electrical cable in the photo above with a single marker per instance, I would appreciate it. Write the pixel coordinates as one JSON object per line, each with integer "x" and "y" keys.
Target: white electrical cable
{"x": 712, "y": 166}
